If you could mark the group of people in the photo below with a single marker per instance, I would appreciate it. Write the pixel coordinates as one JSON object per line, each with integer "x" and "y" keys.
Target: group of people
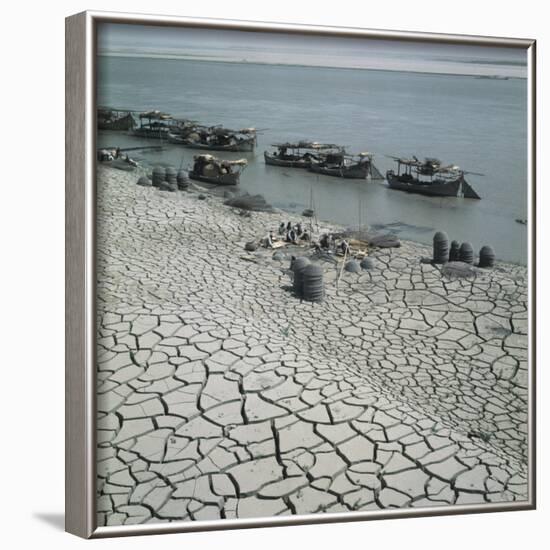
{"x": 293, "y": 233}
{"x": 328, "y": 242}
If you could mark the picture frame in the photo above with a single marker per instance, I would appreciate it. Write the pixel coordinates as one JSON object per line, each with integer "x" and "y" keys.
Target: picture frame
{"x": 81, "y": 262}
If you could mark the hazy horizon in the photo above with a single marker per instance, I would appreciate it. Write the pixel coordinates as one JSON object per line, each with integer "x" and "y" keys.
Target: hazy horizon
{"x": 286, "y": 49}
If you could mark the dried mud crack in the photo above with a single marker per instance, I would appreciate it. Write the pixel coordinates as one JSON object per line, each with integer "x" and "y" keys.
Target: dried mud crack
{"x": 220, "y": 395}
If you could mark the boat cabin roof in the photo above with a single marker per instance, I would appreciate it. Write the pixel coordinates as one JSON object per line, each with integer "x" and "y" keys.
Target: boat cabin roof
{"x": 431, "y": 164}
{"x": 223, "y": 131}
{"x": 416, "y": 162}
{"x": 306, "y": 145}
{"x": 155, "y": 115}
{"x": 104, "y": 109}
{"x": 222, "y": 162}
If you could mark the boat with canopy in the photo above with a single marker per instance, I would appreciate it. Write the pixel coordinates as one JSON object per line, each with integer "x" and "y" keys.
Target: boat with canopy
{"x": 430, "y": 177}
{"x": 209, "y": 169}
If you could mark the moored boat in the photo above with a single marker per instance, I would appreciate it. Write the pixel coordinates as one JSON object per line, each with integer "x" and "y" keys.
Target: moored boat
{"x": 153, "y": 125}
{"x": 296, "y": 155}
{"x": 114, "y": 119}
{"x": 342, "y": 165}
{"x": 180, "y": 129}
{"x": 430, "y": 178}
{"x": 209, "y": 169}
{"x": 217, "y": 138}
{"x": 241, "y": 146}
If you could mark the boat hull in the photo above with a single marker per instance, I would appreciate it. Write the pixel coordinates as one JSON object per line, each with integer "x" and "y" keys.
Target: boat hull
{"x": 176, "y": 139}
{"x": 274, "y": 161}
{"x": 223, "y": 179}
{"x": 246, "y": 146}
{"x": 150, "y": 133}
{"x": 356, "y": 171}
{"x": 451, "y": 188}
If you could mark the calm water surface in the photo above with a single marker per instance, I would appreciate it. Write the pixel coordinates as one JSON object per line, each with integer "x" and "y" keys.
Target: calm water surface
{"x": 479, "y": 124}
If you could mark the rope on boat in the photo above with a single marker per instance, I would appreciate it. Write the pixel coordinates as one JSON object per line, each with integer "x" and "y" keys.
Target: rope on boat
{"x": 375, "y": 173}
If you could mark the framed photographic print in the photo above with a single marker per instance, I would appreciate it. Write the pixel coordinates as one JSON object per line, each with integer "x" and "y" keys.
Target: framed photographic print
{"x": 300, "y": 274}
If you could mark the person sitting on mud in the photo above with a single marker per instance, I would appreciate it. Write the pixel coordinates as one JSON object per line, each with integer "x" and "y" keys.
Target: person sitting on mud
{"x": 344, "y": 247}
{"x": 282, "y": 228}
{"x": 324, "y": 241}
{"x": 267, "y": 241}
{"x": 291, "y": 236}
{"x": 289, "y": 226}
{"x": 304, "y": 236}
{"x": 298, "y": 229}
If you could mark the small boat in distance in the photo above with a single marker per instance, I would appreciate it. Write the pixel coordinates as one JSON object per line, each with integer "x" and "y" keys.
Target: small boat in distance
{"x": 429, "y": 177}
{"x": 114, "y": 119}
{"x": 153, "y": 125}
{"x": 298, "y": 154}
{"x": 343, "y": 165}
{"x": 217, "y": 138}
{"x": 209, "y": 169}
{"x": 492, "y": 77}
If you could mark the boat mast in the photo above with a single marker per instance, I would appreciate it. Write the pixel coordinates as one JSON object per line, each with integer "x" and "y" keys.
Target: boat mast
{"x": 311, "y": 208}
{"x": 360, "y": 205}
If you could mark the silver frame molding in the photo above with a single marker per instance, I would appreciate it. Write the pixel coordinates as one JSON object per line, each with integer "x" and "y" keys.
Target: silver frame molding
{"x": 80, "y": 244}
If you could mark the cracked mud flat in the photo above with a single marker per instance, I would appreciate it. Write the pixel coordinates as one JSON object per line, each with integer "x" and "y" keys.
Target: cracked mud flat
{"x": 220, "y": 395}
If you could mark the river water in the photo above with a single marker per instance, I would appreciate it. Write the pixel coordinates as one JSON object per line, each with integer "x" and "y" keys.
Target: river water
{"x": 478, "y": 123}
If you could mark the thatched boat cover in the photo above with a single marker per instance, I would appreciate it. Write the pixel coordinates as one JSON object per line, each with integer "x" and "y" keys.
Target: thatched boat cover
{"x": 220, "y": 162}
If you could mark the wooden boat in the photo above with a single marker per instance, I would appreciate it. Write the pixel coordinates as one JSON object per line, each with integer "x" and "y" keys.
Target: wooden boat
{"x": 153, "y": 125}
{"x": 217, "y": 138}
{"x": 240, "y": 145}
{"x": 180, "y": 129}
{"x": 177, "y": 137}
{"x": 430, "y": 178}
{"x": 296, "y": 155}
{"x": 114, "y": 119}
{"x": 341, "y": 165}
{"x": 209, "y": 169}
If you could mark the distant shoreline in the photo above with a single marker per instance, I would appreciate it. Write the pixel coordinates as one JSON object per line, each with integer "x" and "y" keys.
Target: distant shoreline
{"x": 208, "y": 59}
